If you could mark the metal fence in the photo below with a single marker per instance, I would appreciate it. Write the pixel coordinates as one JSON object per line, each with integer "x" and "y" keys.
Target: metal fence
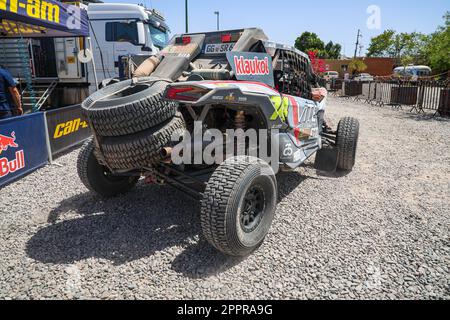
{"x": 418, "y": 95}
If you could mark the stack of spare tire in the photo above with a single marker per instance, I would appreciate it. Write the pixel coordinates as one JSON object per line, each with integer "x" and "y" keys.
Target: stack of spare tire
{"x": 132, "y": 122}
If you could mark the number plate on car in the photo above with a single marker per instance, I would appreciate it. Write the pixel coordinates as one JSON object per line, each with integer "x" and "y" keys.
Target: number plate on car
{"x": 218, "y": 48}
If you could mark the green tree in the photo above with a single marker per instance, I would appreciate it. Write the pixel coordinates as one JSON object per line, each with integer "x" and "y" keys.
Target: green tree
{"x": 381, "y": 44}
{"x": 332, "y": 50}
{"x": 406, "y": 60}
{"x": 399, "y": 45}
{"x": 437, "y": 49}
{"x": 357, "y": 66}
{"x": 403, "y": 44}
{"x": 309, "y": 41}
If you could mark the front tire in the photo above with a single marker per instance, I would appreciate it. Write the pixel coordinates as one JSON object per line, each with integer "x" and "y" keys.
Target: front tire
{"x": 347, "y": 143}
{"x": 98, "y": 178}
{"x": 238, "y": 205}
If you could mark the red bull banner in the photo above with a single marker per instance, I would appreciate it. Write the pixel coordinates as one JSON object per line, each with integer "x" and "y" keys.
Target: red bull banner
{"x": 23, "y": 146}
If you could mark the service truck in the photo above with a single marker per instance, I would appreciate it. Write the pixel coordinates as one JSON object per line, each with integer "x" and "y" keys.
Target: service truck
{"x": 59, "y": 78}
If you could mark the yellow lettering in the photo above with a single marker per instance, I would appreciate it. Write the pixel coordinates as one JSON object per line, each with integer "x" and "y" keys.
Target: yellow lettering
{"x": 76, "y": 124}
{"x": 3, "y": 5}
{"x": 64, "y": 129}
{"x": 58, "y": 131}
{"x": 13, "y": 5}
{"x": 33, "y": 8}
{"x": 50, "y": 12}
{"x": 69, "y": 128}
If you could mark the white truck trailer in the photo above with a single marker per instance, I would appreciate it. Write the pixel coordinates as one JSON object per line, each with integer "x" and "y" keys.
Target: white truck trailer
{"x": 59, "y": 78}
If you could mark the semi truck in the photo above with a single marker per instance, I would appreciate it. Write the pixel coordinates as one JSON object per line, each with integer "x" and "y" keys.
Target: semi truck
{"x": 59, "y": 78}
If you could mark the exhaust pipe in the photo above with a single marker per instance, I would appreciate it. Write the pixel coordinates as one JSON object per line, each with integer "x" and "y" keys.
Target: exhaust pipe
{"x": 166, "y": 152}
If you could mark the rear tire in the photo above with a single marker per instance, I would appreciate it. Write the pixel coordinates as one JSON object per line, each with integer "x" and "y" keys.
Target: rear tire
{"x": 98, "y": 178}
{"x": 347, "y": 143}
{"x": 238, "y": 205}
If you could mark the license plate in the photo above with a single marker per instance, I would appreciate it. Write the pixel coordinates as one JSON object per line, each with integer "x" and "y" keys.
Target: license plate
{"x": 218, "y": 48}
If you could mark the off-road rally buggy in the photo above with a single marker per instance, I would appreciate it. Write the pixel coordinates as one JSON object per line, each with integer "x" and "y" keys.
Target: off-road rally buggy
{"x": 229, "y": 80}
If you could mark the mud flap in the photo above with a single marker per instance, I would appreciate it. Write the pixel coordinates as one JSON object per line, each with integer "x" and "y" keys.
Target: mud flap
{"x": 326, "y": 159}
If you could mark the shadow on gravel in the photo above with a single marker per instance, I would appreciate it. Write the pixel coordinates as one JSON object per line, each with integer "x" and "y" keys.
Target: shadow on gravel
{"x": 336, "y": 174}
{"x": 288, "y": 182}
{"x": 201, "y": 260}
{"x": 128, "y": 228}
{"x": 137, "y": 225}
{"x": 428, "y": 117}
{"x": 121, "y": 230}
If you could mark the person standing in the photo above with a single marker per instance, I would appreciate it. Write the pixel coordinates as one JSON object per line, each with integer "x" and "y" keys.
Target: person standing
{"x": 10, "y": 100}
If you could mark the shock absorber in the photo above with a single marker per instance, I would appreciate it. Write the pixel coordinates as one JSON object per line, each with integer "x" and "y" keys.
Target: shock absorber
{"x": 239, "y": 120}
{"x": 239, "y": 123}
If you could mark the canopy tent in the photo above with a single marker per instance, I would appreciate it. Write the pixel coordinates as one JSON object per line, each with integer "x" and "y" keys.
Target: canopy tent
{"x": 42, "y": 18}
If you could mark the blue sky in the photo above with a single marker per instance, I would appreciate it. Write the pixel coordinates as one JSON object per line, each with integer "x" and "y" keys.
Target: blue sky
{"x": 284, "y": 20}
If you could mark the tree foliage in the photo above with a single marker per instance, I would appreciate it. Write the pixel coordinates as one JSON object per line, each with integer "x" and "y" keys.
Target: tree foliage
{"x": 415, "y": 48}
{"x": 310, "y": 41}
{"x": 437, "y": 50}
{"x": 394, "y": 45}
{"x": 357, "y": 66}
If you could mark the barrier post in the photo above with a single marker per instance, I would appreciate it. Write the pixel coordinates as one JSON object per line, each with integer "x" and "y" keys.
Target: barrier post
{"x": 47, "y": 140}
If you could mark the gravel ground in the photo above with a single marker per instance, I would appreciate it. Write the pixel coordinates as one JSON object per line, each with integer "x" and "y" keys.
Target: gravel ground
{"x": 380, "y": 232}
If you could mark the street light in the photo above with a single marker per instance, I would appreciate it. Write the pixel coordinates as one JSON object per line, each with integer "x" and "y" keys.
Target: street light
{"x": 187, "y": 21}
{"x": 217, "y": 13}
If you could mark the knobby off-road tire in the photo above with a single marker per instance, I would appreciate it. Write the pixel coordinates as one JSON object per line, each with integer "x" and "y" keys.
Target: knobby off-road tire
{"x": 138, "y": 106}
{"x": 347, "y": 143}
{"x": 98, "y": 178}
{"x": 225, "y": 205}
{"x": 142, "y": 149}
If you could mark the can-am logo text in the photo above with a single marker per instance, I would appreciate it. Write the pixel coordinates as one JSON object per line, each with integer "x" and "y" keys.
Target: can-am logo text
{"x": 255, "y": 66}
{"x": 7, "y": 166}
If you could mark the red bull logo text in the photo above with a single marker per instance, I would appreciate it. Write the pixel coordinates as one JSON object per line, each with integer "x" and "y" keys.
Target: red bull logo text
{"x": 10, "y": 166}
{"x": 254, "y": 67}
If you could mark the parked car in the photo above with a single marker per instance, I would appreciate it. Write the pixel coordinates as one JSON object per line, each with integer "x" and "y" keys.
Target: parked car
{"x": 363, "y": 77}
{"x": 227, "y": 81}
{"x": 331, "y": 75}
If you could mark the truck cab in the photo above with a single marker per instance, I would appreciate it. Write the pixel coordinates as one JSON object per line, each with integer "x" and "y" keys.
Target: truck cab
{"x": 119, "y": 29}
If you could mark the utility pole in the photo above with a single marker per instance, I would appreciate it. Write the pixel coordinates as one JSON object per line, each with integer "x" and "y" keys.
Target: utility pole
{"x": 357, "y": 42}
{"x": 360, "y": 49}
{"x": 217, "y": 13}
{"x": 187, "y": 18}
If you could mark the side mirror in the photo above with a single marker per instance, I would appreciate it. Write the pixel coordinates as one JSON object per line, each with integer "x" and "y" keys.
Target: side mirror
{"x": 141, "y": 34}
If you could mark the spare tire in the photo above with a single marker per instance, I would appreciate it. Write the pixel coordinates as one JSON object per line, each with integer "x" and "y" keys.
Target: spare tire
{"x": 142, "y": 149}
{"x": 128, "y": 107}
